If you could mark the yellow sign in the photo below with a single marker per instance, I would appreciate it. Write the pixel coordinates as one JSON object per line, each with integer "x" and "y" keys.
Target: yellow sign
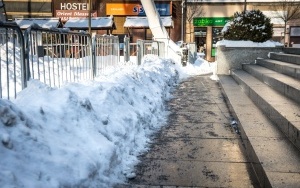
{"x": 124, "y": 9}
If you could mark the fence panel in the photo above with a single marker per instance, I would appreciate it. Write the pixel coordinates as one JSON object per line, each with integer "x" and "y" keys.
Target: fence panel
{"x": 12, "y": 56}
{"x": 58, "y": 56}
{"x": 146, "y": 47}
{"x": 106, "y": 50}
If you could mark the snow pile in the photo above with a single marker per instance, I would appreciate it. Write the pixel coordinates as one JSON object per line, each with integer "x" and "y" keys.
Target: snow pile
{"x": 200, "y": 66}
{"x": 230, "y": 43}
{"x": 86, "y": 134}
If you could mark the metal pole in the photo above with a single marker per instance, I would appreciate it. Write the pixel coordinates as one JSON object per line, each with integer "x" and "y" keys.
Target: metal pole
{"x": 90, "y": 21}
{"x": 182, "y": 20}
{"x": 245, "y": 5}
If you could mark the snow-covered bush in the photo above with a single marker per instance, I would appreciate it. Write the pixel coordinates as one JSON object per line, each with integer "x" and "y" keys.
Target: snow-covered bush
{"x": 250, "y": 25}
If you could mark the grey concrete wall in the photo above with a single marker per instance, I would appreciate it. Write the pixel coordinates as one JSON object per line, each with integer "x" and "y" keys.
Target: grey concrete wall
{"x": 232, "y": 58}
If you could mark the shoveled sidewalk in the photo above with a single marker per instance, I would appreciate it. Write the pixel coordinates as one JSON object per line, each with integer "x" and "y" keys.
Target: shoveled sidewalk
{"x": 198, "y": 147}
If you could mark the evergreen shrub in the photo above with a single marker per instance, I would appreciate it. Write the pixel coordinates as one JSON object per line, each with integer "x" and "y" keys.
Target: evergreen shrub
{"x": 250, "y": 25}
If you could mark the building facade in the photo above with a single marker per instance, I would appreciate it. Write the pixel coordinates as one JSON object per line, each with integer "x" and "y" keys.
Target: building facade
{"x": 205, "y": 29}
{"x": 130, "y": 19}
{"x": 119, "y": 9}
{"x": 184, "y": 23}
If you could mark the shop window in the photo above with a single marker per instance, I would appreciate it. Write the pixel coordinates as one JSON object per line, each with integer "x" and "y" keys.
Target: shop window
{"x": 295, "y": 37}
{"x": 216, "y": 36}
{"x": 200, "y": 40}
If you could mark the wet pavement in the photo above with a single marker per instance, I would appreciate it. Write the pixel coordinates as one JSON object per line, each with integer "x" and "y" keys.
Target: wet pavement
{"x": 198, "y": 147}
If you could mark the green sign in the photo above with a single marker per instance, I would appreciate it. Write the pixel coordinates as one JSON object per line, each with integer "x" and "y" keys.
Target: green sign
{"x": 210, "y": 21}
{"x": 213, "y": 51}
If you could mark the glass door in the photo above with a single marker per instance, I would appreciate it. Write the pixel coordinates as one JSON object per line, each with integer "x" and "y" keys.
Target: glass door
{"x": 216, "y": 36}
{"x": 200, "y": 40}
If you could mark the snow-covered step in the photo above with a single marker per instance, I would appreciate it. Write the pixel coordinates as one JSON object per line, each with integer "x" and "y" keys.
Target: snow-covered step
{"x": 288, "y": 86}
{"x": 289, "y": 69}
{"x": 275, "y": 159}
{"x": 282, "y": 111}
{"x": 289, "y": 58}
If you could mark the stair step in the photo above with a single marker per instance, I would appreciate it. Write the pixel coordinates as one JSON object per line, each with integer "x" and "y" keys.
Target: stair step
{"x": 289, "y": 58}
{"x": 288, "y": 86}
{"x": 274, "y": 158}
{"x": 289, "y": 69}
{"x": 292, "y": 50}
{"x": 281, "y": 110}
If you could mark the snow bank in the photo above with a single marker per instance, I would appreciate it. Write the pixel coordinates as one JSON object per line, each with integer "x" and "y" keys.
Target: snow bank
{"x": 230, "y": 43}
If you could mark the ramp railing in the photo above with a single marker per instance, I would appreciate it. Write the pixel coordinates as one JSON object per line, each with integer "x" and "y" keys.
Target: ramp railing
{"x": 106, "y": 51}
{"x": 145, "y": 47}
{"x": 126, "y": 49}
{"x": 12, "y": 57}
{"x": 57, "y": 56}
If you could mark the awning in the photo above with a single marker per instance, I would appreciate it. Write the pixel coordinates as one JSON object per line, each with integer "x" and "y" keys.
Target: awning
{"x": 97, "y": 23}
{"x": 142, "y": 22}
{"x": 48, "y": 23}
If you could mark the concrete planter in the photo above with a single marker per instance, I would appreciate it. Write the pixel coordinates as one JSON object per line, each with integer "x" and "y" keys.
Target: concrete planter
{"x": 232, "y": 58}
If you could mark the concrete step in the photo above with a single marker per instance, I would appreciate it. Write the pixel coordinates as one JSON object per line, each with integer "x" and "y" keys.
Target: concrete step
{"x": 288, "y": 58}
{"x": 284, "y": 112}
{"x": 289, "y": 69}
{"x": 274, "y": 158}
{"x": 288, "y": 86}
{"x": 291, "y": 50}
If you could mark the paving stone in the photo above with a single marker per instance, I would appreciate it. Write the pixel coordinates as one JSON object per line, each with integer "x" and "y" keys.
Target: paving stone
{"x": 194, "y": 173}
{"x": 198, "y": 147}
{"x": 199, "y": 130}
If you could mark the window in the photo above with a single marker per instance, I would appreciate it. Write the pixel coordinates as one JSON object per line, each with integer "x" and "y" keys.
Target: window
{"x": 216, "y": 36}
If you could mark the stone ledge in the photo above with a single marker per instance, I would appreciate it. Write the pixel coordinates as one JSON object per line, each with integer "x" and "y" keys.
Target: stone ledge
{"x": 232, "y": 58}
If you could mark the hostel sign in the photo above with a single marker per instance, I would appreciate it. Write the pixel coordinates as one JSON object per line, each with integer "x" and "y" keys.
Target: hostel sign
{"x": 67, "y": 9}
{"x": 210, "y": 21}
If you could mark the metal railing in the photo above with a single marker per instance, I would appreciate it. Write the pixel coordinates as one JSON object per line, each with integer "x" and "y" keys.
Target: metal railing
{"x": 149, "y": 47}
{"x": 57, "y": 56}
{"x": 130, "y": 49}
{"x": 126, "y": 51}
{"x": 12, "y": 56}
{"x": 106, "y": 50}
